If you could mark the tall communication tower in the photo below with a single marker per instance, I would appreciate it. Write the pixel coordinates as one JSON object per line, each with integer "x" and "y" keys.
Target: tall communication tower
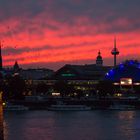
{"x": 115, "y": 52}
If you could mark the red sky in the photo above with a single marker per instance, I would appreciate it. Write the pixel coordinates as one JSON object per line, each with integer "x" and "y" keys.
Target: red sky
{"x": 52, "y": 33}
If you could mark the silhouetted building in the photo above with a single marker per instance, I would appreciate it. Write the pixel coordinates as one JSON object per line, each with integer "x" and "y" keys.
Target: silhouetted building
{"x": 36, "y": 74}
{"x": 83, "y": 78}
{"x": 16, "y": 67}
{"x": 125, "y": 75}
{"x": 99, "y": 60}
{"x": 82, "y": 72}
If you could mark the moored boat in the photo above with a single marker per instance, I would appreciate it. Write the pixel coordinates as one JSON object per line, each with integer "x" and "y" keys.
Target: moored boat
{"x": 11, "y": 107}
{"x": 63, "y": 107}
{"x": 121, "y": 107}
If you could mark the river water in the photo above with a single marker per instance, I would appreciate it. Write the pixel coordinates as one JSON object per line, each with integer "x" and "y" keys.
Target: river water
{"x": 81, "y": 125}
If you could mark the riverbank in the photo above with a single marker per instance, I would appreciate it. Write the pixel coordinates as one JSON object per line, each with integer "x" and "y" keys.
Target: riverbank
{"x": 103, "y": 103}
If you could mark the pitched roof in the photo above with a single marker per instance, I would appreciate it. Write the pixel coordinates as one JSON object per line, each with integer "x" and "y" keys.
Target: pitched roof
{"x": 89, "y": 71}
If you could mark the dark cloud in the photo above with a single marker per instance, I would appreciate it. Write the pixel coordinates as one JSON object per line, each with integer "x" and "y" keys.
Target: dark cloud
{"x": 18, "y": 8}
{"x": 68, "y": 11}
{"x": 95, "y": 9}
{"x": 55, "y": 25}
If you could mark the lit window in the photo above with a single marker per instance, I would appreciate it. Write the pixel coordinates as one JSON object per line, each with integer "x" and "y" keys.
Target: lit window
{"x": 115, "y": 83}
{"x": 126, "y": 81}
{"x": 136, "y": 83}
{"x": 55, "y": 94}
{"x": 68, "y": 75}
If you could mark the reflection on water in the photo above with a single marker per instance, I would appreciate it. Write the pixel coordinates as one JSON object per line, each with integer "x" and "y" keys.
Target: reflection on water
{"x": 1, "y": 122}
{"x": 89, "y": 125}
{"x": 127, "y": 119}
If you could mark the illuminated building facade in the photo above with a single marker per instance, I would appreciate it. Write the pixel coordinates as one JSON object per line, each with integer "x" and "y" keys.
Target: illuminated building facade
{"x": 126, "y": 75}
{"x": 82, "y": 77}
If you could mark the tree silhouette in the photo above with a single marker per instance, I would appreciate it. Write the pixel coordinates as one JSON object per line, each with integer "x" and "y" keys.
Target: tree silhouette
{"x": 63, "y": 87}
{"x": 105, "y": 88}
{"x": 43, "y": 88}
{"x": 13, "y": 87}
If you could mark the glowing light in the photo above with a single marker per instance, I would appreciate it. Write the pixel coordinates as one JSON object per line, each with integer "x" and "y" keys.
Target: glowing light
{"x": 107, "y": 74}
{"x": 136, "y": 84}
{"x": 55, "y": 94}
{"x": 126, "y": 81}
{"x": 118, "y": 94}
{"x": 131, "y": 62}
{"x": 111, "y": 72}
{"x": 121, "y": 66}
{"x": 4, "y": 104}
{"x": 68, "y": 75}
{"x": 116, "y": 83}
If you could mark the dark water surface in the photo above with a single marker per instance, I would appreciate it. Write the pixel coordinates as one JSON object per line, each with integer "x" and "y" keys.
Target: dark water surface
{"x": 86, "y": 125}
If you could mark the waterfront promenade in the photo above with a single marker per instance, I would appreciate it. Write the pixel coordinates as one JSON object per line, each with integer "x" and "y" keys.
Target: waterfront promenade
{"x": 95, "y": 103}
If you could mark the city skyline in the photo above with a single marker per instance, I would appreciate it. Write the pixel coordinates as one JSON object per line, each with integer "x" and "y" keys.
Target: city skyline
{"x": 56, "y": 32}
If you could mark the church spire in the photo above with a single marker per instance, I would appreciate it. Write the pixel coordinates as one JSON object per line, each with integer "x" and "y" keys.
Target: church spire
{"x": 16, "y": 67}
{"x": 0, "y": 56}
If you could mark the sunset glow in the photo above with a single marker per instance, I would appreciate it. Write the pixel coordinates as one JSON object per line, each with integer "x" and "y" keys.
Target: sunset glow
{"x": 51, "y": 33}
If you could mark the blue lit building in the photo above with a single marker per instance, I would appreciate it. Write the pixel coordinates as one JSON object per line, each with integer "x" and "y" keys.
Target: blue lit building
{"x": 126, "y": 74}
